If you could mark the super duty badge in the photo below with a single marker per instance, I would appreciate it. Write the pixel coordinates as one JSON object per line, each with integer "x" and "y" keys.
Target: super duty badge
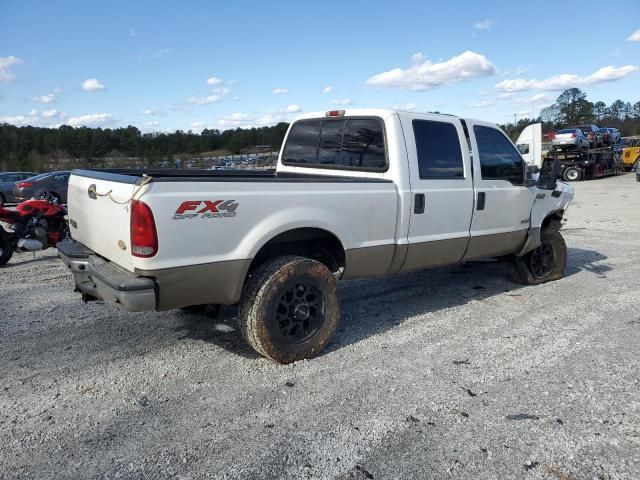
{"x": 206, "y": 209}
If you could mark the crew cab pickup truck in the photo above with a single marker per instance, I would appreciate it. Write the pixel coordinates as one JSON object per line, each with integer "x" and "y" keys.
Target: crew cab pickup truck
{"x": 356, "y": 193}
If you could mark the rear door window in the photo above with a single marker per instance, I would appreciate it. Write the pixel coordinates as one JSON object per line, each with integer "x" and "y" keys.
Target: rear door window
{"x": 348, "y": 144}
{"x": 499, "y": 160}
{"x": 438, "y": 149}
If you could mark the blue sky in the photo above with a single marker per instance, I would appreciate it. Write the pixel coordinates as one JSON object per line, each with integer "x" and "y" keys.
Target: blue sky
{"x": 221, "y": 64}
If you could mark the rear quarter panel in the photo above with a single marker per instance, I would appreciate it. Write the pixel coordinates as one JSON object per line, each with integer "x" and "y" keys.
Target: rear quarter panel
{"x": 360, "y": 215}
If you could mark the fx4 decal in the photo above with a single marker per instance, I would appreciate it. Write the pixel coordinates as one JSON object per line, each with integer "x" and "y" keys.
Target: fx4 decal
{"x": 206, "y": 209}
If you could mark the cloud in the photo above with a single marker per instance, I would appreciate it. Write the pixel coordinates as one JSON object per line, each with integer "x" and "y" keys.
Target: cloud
{"x": 505, "y": 96}
{"x": 634, "y": 37}
{"x": 280, "y": 91}
{"x": 6, "y": 75}
{"x": 565, "y": 80}
{"x": 214, "y": 81}
{"x": 203, "y": 100}
{"x": 150, "y": 124}
{"x": 529, "y": 100}
{"x": 92, "y": 85}
{"x": 48, "y": 98}
{"x": 150, "y": 112}
{"x": 91, "y": 120}
{"x": 132, "y": 32}
{"x": 232, "y": 82}
{"x": 327, "y": 89}
{"x": 341, "y": 101}
{"x": 294, "y": 108}
{"x": 221, "y": 91}
{"x": 407, "y": 107}
{"x": 161, "y": 53}
{"x": 235, "y": 119}
{"x": 197, "y": 125}
{"x": 50, "y": 113}
{"x": 424, "y": 74}
{"x": 483, "y": 25}
{"x": 481, "y": 104}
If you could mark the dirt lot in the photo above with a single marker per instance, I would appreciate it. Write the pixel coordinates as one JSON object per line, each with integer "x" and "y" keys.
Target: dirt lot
{"x": 450, "y": 373}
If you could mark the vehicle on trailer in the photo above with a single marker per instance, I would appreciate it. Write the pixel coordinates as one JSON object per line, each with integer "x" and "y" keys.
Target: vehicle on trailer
{"x": 570, "y": 137}
{"x": 357, "y": 193}
{"x": 607, "y": 137}
{"x": 615, "y": 135}
{"x": 34, "y": 225}
{"x": 592, "y": 132}
{"x": 7, "y": 183}
{"x": 630, "y": 156}
{"x": 54, "y": 184}
{"x": 581, "y": 164}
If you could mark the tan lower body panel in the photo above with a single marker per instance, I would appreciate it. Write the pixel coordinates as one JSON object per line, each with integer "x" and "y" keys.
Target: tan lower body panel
{"x": 435, "y": 254}
{"x": 496, "y": 245}
{"x": 368, "y": 262}
{"x": 219, "y": 282}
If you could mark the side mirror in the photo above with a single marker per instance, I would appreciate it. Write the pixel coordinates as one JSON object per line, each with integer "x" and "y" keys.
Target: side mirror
{"x": 549, "y": 174}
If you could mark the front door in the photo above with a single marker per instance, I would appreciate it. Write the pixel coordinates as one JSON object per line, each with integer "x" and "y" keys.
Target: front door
{"x": 442, "y": 190}
{"x": 503, "y": 203}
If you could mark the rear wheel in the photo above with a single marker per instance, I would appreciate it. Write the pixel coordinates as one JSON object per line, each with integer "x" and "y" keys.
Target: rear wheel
{"x": 3, "y": 200}
{"x": 543, "y": 264}
{"x": 6, "y": 247}
{"x": 571, "y": 174}
{"x": 290, "y": 308}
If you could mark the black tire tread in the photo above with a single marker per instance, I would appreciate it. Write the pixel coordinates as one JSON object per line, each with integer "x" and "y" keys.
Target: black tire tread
{"x": 253, "y": 298}
{"x": 7, "y": 248}
{"x": 519, "y": 266}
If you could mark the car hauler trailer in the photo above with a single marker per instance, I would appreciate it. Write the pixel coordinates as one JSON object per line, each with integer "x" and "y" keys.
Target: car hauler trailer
{"x": 586, "y": 164}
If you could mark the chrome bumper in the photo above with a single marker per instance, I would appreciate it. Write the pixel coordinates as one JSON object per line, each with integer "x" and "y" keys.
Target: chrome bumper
{"x": 98, "y": 279}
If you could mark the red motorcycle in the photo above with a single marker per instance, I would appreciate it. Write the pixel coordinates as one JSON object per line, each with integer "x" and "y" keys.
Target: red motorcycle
{"x": 36, "y": 224}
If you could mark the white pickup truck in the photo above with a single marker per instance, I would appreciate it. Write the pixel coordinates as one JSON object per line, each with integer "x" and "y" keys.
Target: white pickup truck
{"x": 356, "y": 193}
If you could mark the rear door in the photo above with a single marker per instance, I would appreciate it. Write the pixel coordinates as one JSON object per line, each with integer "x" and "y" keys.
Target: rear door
{"x": 442, "y": 188}
{"x": 502, "y": 202}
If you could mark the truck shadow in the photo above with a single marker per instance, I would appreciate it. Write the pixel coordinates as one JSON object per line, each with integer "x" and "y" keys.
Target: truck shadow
{"x": 373, "y": 306}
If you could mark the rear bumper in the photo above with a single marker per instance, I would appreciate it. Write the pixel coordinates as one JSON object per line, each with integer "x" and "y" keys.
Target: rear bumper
{"x": 144, "y": 290}
{"x": 98, "y": 279}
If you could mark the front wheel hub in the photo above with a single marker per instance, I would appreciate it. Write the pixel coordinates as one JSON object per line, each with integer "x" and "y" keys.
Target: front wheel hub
{"x": 543, "y": 260}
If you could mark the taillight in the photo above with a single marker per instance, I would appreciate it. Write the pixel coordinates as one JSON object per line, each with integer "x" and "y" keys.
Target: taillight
{"x": 24, "y": 184}
{"x": 573, "y": 135}
{"x": 144, "y": 237}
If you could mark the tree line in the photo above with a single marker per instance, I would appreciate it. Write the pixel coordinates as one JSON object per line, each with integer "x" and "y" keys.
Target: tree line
{"x": 31, "y": 148}
{"x": 37, "y": 148}
{"x": 572, "y": 108}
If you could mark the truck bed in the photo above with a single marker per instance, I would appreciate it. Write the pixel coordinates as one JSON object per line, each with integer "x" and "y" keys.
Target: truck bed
{"x": 133, "y": 176}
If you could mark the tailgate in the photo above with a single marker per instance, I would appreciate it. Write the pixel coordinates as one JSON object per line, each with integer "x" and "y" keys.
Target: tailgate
{"x": 99, "y": 223}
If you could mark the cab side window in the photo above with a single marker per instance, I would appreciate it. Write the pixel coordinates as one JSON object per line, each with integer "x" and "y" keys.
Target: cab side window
{"x": 499, "y": 160}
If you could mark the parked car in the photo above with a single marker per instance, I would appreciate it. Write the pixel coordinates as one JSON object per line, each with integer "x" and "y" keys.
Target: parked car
{"x": 53, "y": 183}
{"x": 570, "y": 137}
{"x": 357, "y": 193}
{"x": 592, "y": 132}
{"x": 638, "y": 172}
{"x": 7, "y": 182}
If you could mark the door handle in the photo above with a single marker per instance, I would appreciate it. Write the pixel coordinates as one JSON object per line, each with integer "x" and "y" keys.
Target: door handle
{"x": 482, "y": 197}
{"x": 418, "y": 206}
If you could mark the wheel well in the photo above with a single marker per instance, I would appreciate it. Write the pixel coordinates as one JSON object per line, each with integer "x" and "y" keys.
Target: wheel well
{"x": 552, "y": 222}
{"x": 315, "y": 243}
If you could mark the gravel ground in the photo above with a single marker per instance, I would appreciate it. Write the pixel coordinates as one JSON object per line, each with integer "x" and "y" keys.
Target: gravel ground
{"x": 449, "y": 373}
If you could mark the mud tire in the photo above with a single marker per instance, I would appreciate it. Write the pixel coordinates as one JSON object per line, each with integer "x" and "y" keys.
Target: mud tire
{"x": 276, "y": 298}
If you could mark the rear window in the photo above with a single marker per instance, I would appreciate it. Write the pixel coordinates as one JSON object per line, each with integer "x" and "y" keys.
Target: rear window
{"x": 561, "y": 132}
{"x": 349, "y": 144}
